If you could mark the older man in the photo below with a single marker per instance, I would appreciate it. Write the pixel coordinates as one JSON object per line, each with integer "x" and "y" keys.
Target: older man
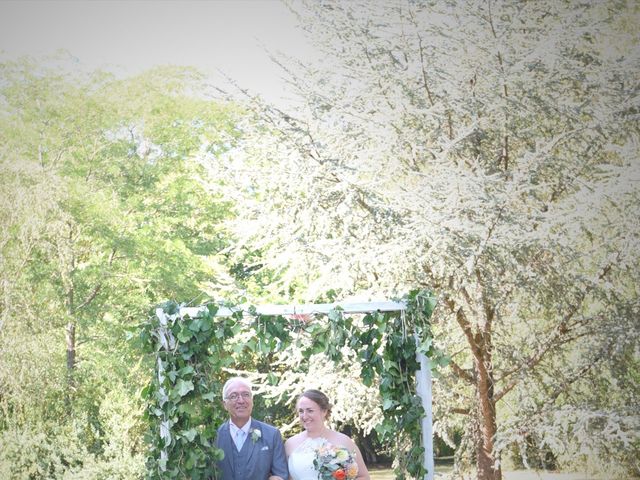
{"x": 253, "y": 450}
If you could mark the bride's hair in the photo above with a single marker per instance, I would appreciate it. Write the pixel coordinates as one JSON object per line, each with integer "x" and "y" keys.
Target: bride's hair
{"x": 320, "y": 398}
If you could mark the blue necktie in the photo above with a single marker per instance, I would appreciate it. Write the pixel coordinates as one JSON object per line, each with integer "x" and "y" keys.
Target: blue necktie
{"x": 239, "y": 439}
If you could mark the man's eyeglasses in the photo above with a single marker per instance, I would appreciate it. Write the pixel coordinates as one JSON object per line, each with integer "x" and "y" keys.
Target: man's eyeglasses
{"x": 235, "y": 396}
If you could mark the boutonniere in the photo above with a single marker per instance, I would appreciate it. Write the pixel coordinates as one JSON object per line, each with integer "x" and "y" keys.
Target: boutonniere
{"x": 255, "y": 435}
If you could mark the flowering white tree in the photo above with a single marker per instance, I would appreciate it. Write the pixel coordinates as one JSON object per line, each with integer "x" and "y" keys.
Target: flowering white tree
{"x": 352, "y": 402}
{"x": 486, "y": 150}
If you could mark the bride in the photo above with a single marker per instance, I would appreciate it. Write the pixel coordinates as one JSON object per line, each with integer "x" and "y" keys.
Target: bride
{"x": 317, "y": 441}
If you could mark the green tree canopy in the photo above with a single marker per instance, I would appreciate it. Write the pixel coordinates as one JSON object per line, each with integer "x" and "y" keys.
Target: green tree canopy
{"x": 106, "y": 211}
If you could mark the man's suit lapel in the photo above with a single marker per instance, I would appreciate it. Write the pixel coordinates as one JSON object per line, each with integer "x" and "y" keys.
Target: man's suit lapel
{"x": 251, "y": 447}
{"x": 228, "y": 445}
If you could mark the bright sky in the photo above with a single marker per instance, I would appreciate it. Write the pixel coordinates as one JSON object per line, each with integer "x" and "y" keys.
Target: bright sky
{"x": 133, "y": 35}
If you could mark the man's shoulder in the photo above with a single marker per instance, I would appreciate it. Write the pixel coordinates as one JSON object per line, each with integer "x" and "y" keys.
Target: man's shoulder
{"x": 263, "y": 426}
{"x": 223, "y": 426}
{"x": 258, "y": 424}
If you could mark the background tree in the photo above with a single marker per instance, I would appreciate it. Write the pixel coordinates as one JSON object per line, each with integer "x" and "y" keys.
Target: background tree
{"x": 106, "y": 213}
{"x": 487, "y": 150}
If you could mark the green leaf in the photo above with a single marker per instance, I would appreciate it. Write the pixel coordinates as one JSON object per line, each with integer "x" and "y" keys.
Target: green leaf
{"x": 388, "y": 403}
{"x": 425, "y": 345}
{"x": 184, "y": 335}
{"x": 195, "y": 325}
{"x": 209, "y": 396}
{"x": 443, "y": 360}
{"x": 206, "y": 323}
{"x": 187, "y": 370}
{"x": 189, "y": 434}
{"x": 186, "y": 408}
{"x": 183, "y": 387}
{"x": 218, "y": 454}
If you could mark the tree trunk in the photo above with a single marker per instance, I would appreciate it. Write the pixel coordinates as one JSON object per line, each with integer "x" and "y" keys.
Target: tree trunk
{"x": 71, "y": 361}
{"x": 480, "y": 343}
{"x": 486, "y": 418}
{"x": 486, "y": 405}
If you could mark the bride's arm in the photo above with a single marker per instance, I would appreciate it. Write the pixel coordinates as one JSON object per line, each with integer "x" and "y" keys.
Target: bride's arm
{"x": 363, "y": 472}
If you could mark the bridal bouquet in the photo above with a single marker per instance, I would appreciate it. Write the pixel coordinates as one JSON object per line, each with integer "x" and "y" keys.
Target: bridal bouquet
{"x": 335, "y": 463}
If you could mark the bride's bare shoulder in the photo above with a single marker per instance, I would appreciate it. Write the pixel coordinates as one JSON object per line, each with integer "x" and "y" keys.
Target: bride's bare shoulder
{"x": 292, "y": 442}
{"x": 341, "y": 440}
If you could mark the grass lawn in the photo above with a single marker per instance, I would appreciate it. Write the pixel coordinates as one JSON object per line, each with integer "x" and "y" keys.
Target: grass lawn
{"x": 441, "y": 473}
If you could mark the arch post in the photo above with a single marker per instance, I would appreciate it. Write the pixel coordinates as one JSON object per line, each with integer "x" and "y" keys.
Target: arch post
{"x": 423, "y": 389}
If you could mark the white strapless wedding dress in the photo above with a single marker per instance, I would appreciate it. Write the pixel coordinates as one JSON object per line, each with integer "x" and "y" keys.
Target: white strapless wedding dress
{"x": 301, "y": 460}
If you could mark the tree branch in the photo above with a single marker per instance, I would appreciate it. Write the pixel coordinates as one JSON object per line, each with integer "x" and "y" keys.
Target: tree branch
{"x": 461, "y": 372}
{"x": 559, "y": 336}
{"x": 89, "y": 299}
{"x": 461, "y": 411}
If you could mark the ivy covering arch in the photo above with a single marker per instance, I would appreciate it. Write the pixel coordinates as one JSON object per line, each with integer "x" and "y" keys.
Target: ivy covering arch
{"x": 190, "y": 351}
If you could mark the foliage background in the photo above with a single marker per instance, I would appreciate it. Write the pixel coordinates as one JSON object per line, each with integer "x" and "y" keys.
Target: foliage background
{"x": 487, "y": 150}
{"x": 106, "y": 213}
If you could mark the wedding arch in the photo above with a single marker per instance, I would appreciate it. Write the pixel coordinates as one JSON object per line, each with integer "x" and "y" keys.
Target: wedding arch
{"x": 190, "y": 348}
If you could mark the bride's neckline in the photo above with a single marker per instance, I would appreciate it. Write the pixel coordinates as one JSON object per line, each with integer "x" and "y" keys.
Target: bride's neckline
{"x": 309, "y": 444}
{"x": 323, "y": 434}
{"x": 315, "y": 439}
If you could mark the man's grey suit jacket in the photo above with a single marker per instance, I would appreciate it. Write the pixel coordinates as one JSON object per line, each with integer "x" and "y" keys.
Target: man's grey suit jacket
{"x": 264, "y": 457}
